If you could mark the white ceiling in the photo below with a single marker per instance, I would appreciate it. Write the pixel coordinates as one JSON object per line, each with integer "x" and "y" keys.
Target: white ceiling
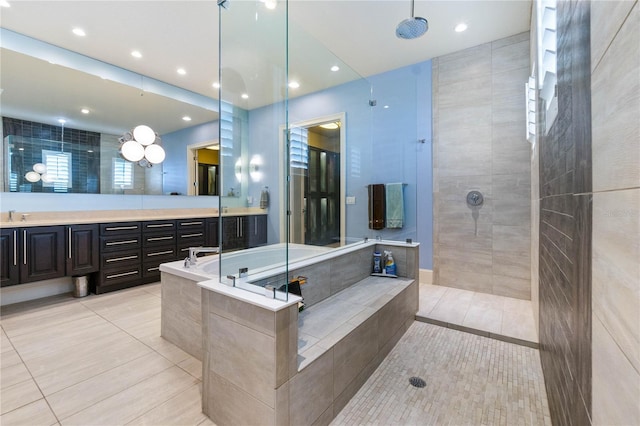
{"x": 357, "y": 35}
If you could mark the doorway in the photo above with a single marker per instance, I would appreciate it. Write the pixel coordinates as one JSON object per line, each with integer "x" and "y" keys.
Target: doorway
{"x": 317, "y": 184}
{"x": 204, "y": 168}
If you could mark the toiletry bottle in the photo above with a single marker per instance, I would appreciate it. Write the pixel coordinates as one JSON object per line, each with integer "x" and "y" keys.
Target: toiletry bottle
{"x": 377, "y": 263}
{"x": 389, "y": 264}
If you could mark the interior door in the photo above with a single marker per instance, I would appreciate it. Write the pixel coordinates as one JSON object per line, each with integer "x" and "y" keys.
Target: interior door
{"x": 322, "y": 197}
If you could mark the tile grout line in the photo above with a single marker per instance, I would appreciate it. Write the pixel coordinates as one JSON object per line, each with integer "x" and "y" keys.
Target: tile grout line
{"x": 34, "y": 382}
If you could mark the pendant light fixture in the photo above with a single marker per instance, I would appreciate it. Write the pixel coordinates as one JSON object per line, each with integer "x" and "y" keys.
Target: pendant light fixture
{"x": 142, "y": 145}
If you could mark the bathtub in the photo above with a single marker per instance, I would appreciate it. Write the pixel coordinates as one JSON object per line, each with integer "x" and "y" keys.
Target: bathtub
{"x": 259, "y": 261}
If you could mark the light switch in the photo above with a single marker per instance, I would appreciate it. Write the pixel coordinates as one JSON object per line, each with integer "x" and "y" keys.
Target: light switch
{"x": 351, "y": 200}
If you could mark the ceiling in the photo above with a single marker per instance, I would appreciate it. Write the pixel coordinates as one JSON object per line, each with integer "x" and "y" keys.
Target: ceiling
{"x": 356, "y": 35}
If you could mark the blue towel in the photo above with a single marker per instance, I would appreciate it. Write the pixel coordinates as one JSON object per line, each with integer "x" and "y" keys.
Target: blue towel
{"x": 395, "y": 205}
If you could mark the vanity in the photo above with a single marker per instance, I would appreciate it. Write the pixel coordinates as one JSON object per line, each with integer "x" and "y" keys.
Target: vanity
{"x": 117, "y": 249}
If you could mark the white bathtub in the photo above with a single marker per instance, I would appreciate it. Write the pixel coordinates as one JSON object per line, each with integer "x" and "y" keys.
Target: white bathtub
{"x": 258, "y": 260}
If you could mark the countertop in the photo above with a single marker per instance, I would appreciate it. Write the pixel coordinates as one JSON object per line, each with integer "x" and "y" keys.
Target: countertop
{"x": 106, "y": 216}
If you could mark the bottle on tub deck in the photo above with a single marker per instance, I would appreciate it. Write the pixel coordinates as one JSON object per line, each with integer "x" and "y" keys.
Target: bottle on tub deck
{"x": 389, "y": 263}
{"x": 377, "y": 263}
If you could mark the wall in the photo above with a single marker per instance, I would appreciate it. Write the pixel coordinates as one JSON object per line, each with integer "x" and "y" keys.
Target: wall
{"x": 479, "y": 144}
{"x": 175, "y": 146}
{"x": 615, "y": 100}
{"x": 381, "y": 146}
{"x": 565, "y": 226}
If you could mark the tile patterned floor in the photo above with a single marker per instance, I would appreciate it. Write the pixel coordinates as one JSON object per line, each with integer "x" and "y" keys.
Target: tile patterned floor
{"x": 471, "y": 380}
{"x": 100, "y": 360}
{"x": 494, "y": 316}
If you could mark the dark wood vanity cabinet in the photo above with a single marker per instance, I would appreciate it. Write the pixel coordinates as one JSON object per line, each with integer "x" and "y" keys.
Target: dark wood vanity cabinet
{"x": 256, "y": 230}
{"x": 241, "y": 232}
{"x": 120, "y": 256}
{"x": 9, "y": 257}
{"x": 83, "y": 249}
{"x": 234, "y": 233}
{"x": 42, "y": 253}
{"x": 159, "y": 245}
{"x": 190, "y": 233}
{"x": 212, "y": 232}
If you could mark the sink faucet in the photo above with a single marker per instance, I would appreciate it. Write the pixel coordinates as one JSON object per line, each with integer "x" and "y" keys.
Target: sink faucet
{"x": 193, "y": 252}
{"x": 11, "y": 212}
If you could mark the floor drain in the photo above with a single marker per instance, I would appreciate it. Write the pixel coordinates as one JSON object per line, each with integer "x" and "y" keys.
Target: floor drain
{"x": 417, "y": 382}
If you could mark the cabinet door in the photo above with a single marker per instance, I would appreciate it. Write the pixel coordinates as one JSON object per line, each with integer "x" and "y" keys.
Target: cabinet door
{"x": 234, "y": 230}
{"x": 256, "y": 230}
{"x": 83, "y": 249}
{"x": 9, "y": 270}
{"x": 42, "y": 253}
{"x": 211, "y": 232}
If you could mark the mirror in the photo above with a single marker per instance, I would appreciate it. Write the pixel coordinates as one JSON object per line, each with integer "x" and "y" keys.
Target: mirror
{"x": 83, "y": 153}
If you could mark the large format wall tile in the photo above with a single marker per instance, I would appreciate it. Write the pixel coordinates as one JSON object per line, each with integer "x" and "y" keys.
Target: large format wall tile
{"x": 311, "y": 391}
{"x": 607, "y": 17}
{"x": 616, "y": 384}
{"x": 616, "y": 270}
{"x": 616, "y": 108}
{"x": 479, "y": 144}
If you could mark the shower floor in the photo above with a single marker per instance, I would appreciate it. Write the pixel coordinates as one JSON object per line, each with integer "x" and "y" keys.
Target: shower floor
{"x": 503, "y": 318}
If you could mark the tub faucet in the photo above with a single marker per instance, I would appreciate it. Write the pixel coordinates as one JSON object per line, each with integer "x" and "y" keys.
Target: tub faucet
{"x": 193, "y": 254}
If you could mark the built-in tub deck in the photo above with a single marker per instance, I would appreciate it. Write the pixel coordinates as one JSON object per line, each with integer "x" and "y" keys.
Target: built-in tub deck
{"x": 324, "y": 324}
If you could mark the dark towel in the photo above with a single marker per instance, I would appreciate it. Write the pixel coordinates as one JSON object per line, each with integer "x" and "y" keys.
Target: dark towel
{"x": 376, "y": 206}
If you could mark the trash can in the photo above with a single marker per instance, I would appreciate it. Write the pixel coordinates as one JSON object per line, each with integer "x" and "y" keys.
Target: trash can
{"x": 80, "y": 286}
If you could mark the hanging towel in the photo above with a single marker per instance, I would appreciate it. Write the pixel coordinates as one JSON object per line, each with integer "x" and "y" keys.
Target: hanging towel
{"x": 376, "y": 206}
{"x": 264, "y": 199}
{"x": 395, "y": 205}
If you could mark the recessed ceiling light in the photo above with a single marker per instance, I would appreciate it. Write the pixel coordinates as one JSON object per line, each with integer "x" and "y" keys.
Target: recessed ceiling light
{"x": 216, "y": 85}
{"x": 182, "y": 71}
{"x": 244, "y": 96}
{"x": 89, "y": 151}
{"x": 294, "y": 84}
{"x": 62, "y": 120}
{"x": 136, "y": 54}
{"x": 4, "y": 3}
{"x": 335, "y": 68}
{"x": 270, "y": 4}
{"x": 84, "y": 110}
{"x": 461, "y": 27}
{"x": 79, "y": 32}
{"x": 186, "y": 118}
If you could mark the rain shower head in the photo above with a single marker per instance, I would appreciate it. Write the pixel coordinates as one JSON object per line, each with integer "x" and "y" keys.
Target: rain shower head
{"x": 413, "y": 27}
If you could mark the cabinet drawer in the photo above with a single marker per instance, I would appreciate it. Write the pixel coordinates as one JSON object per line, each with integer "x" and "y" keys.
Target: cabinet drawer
{"x": 159, "y": 255}
{"x": 119, "y": 228}
{"x": 191, "y": 238}
{"x": 190, "y": 225}
{"x": 158, "y": 225}
{"x": 120, "y": 276}
{"x": 151, "y": 272}
{"x": 120, "y": 259}
{"x": 120, "y": 242}
{"x": 159, "y": 239}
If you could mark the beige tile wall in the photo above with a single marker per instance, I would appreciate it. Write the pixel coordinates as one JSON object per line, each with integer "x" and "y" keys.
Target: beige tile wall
{"x": 615, "y": 85}
{"x": 480, "y": 144}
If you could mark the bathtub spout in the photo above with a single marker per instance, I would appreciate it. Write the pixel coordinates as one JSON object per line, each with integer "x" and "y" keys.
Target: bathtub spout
{"x": 193, "y": 253}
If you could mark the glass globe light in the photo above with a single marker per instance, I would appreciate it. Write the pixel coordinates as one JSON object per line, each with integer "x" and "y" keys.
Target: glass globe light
{"x": 132, "y": 151}
{"x": 144, "y": 134}
{"x": 39, "y": 168}
{"x": 47, "y": 178}
{"x": 154, "y": 153}
{"x": 32, "y": 176}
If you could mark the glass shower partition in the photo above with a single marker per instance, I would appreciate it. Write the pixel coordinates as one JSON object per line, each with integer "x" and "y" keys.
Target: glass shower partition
{"x": 253, "y": 104}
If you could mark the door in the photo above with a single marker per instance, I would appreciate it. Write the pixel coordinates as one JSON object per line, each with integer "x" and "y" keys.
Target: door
{"x": 42, "y": 253}
{"x": 83, "y": 249}
{"x": 322, "y": 198}
{"x": 9, "y": 270}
